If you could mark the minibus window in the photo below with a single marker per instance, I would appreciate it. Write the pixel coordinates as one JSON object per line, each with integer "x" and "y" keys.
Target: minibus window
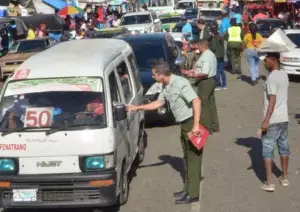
{"x": 125, "y": 81}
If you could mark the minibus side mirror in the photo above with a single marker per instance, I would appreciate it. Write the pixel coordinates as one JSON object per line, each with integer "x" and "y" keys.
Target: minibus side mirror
{"x": 120, "y": 112}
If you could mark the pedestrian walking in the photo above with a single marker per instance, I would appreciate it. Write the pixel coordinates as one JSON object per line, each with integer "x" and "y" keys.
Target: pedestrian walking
{"x": 186, "y": 30}
{"x": 205, "y": 72}
{"x": 217, "y": 47}
{"x": 117, "y": 21}
{"x": 225, "y": 24}
{"x": 274, "y": 128}
{"x": 31, "y": 33}
{"x": 1, "y": 47}
{"x": 238, "y": 16}
{"x": 204, "y": 30}
{"x": 186, "y": 108}
{"x": 41, "y": 31}
{"x": 252, "y": 41}
{"x": 234, "y": 36}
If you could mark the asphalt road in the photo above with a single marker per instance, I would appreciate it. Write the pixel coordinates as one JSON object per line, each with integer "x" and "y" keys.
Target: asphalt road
{"x": 232, "y": 161}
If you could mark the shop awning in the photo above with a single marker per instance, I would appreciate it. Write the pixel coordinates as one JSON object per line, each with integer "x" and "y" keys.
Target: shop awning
{"x": 280, "y": 1}
{"x": 56, "y": 4}
{"x": 116, "y": 2}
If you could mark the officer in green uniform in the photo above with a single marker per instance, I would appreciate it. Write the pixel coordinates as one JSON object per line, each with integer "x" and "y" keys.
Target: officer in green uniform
{"x": 204, "y": 73}
{"x": 186, "y": 108}
{"x": 190, "y": 59}
{"x": 234, "y": 36}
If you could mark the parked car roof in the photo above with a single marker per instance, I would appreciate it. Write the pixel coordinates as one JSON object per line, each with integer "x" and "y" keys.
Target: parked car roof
{"x": 37, "y": 38}
{"x": 137, "y": 13}
{"x": 73, "y": 58}
{"x": 143, "y": 37}
{"x": 269, "y": 20}
{"x": 292, "y": 31}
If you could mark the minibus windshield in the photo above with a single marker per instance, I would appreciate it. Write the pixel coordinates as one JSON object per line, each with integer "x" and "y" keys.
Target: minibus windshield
{"x": 52, "y": 103}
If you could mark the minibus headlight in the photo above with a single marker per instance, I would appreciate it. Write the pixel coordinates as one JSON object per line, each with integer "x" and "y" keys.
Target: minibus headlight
{"x": 95, "y": 163}
{"x": 7, "y": 165}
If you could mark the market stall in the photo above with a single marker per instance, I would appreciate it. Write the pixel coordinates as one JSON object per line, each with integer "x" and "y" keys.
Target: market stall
{"x": 252, "y": 7}
{"x": 53, "y": 22}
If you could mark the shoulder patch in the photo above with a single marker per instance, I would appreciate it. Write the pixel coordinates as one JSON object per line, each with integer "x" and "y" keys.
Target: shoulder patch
{"x": 184, "y": 88}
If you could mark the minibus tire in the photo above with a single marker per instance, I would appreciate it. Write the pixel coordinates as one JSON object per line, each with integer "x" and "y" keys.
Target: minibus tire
{"x": 141, "y": 151}
{"x": 1, "y": 75}
{"x": 124, "y": 188}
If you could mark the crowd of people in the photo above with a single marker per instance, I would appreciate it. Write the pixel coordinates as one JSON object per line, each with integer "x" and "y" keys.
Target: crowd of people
{"x": 227, "y": 42}
{"x": 83, "y": 26}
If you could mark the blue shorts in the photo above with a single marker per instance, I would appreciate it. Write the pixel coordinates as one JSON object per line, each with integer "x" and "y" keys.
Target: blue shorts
{"x": 276, "y": 134}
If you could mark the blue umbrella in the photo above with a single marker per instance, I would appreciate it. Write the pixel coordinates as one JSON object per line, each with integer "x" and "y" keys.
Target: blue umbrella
{"x": 56, "y": 4}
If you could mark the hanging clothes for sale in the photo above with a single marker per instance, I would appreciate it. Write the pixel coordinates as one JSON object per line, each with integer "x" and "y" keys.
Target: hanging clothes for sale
{"x": 100, "y": 13}
{"x": 124, "y": 8}
{"x": 3, "y": 11}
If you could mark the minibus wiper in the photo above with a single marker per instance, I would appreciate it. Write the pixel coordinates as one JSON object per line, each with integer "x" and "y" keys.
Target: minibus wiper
{"x": 56, "y": 129}
{"x": 14, "y": 130}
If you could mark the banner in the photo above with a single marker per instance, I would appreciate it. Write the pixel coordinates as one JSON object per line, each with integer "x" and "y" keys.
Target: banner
{"x": 57, "y": 84}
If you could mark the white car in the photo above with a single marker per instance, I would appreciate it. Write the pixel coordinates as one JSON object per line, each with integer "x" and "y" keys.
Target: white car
{"x": 215, "y": 13}
{"x": 182, "y": 5}
{"x": 290, "y": 61}
{"x": 141, "y": 22}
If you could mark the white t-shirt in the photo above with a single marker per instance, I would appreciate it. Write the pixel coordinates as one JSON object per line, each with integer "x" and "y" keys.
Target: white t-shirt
{"x": 1, "y": 43}
{"x": 116, "y": 22}
{"x": 277, "y": 83}
{"x": 84, "y": 27}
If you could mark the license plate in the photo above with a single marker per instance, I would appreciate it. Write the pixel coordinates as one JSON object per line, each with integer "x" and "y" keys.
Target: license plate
{"x": 24, "y": 195}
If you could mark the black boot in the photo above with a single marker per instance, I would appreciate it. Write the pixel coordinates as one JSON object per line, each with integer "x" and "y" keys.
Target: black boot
{"x": 179, "y": 194}
{"x": 186, "y": 199}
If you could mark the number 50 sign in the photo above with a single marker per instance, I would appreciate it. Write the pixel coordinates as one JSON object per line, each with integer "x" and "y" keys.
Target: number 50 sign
{"x": 38, "y": 117}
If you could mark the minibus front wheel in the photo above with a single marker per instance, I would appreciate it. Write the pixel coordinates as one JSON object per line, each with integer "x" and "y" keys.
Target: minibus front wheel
{"x": 123, "y": 185}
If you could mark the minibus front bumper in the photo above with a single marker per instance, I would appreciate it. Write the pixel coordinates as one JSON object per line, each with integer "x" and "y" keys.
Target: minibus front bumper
{"x": 59, "y": 190}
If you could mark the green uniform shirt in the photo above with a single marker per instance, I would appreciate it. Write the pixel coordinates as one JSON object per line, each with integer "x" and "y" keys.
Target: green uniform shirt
{"x": 180, "y": 94}
{"x": 190, "y": 59}
{"x": 207, "y": 64}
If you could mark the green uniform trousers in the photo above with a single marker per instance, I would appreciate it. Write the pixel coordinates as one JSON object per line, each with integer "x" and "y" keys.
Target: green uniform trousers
{"x": 209, "y": 114}
{"x": 234, "y": 52}
{"x": 192, "y": 159}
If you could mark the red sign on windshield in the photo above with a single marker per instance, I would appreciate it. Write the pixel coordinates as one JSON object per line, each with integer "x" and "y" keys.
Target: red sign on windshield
{"x": 21, "y": 74}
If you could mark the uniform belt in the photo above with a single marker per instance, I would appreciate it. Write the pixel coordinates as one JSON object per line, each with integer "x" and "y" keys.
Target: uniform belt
{"x": 207, "y": 78}
{"x": 182, "y": 122}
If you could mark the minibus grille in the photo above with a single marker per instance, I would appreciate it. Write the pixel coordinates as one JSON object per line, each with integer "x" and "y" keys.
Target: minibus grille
{"x": 60, "y": 195}
{"x": 68, "y": 195}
